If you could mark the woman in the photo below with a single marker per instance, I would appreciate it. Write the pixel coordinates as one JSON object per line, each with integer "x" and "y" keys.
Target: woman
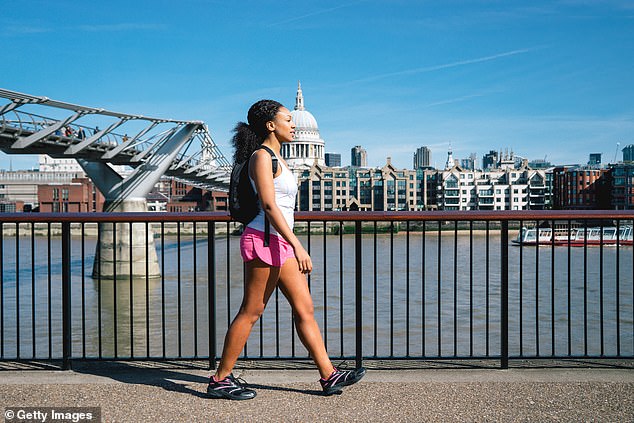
{"x": 283, "y": 263}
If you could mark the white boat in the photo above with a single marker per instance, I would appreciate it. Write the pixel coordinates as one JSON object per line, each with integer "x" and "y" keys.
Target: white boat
{"x": 575, "y": 236}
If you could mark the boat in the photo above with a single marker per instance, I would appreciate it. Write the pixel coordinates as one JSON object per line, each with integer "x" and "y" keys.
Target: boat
{"x": 575, "y": 236}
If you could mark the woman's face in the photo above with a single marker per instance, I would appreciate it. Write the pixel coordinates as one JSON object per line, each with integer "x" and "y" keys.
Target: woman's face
{"x": 284, "y": 127}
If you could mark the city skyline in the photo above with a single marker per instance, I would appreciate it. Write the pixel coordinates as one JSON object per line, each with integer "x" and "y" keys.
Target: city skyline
{"x": 544, "y": 79}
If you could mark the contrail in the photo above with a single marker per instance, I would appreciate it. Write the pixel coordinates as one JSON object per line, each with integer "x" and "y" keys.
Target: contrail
{"x": 444, "y": 66}
{"x": 319, "y": 12}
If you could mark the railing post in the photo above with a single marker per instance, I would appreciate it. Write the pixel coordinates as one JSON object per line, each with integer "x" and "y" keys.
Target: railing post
{"x": 358, "y": 295}
{"x": 211, "y": 291}
{"x": 66, "y": 288}
{"x": 504, "y": 293}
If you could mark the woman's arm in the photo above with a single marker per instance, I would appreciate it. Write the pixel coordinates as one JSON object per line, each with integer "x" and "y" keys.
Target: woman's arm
{"x": 260, "y": 170}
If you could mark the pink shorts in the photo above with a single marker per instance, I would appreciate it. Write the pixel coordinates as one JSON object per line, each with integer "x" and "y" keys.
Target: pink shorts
{"x": 252, "y": 246}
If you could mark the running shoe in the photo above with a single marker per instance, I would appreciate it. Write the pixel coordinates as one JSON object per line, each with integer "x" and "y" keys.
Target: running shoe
{"x": 230, "y": 388}
{"x": 340, "y": 378}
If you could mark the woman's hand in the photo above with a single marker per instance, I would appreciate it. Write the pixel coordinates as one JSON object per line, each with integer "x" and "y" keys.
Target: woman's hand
{"x": 303, "y": 259}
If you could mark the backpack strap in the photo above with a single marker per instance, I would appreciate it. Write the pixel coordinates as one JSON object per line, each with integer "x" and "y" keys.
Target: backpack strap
{"x": 267, "y": 224}
{"x": 274, "y": 161}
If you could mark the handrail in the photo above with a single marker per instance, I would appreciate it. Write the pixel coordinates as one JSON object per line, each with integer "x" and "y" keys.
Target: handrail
{"x": 497, "y": 295}
{"x": 370, "y": 216}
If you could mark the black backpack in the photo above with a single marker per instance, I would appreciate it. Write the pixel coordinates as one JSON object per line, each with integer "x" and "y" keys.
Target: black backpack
{"x": 243, "y": 200}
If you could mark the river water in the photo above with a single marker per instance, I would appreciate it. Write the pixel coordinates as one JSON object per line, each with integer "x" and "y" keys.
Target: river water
{"x": 447, "y": 304}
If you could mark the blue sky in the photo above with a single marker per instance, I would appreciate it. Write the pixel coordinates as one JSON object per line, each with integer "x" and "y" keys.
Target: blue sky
{"x": 547, "y": 79}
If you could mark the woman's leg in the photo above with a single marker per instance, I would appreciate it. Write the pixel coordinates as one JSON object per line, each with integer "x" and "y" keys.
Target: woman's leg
{"x": 261, "y": 280}
{"x": 294, "y": 286}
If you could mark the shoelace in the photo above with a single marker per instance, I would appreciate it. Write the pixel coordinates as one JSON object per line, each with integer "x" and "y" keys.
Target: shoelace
{"x": 342, "y": 366}
{"x": 240, "y": 382}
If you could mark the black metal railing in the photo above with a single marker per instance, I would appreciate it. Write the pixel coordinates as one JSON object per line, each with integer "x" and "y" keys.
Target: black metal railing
{"x": 386, "y": 286}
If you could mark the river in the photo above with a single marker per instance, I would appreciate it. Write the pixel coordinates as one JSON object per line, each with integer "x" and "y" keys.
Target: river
{"x": 399, "y": 317}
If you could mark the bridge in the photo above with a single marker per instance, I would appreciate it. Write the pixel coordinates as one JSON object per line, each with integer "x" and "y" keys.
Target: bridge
{"x": 156, "y": 146}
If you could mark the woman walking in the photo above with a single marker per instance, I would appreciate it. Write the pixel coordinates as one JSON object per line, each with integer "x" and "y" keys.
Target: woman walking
{"x": 281, "y": 262}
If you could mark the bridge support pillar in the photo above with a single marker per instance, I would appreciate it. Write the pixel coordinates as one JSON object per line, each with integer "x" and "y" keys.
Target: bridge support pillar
{"x": 125, "y": 250}
{"x": 121, "y": 247}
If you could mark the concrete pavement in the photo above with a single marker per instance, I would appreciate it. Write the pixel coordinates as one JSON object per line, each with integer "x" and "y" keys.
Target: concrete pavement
{"x": 133, "y": 394}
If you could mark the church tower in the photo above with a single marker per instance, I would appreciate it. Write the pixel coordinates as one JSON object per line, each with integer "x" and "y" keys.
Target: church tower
{"x": 307, "y": 146}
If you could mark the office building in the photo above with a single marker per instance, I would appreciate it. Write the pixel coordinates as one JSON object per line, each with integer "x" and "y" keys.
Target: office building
{"x": 628, "y": 153}
{"x": 539, "y": 164}
{"x": 422, "y": 158}
{"x": 358, "y": 157}
{"x": 490, "y": 160}
{"x": 594, "y": 159}
{"x": 622, "y": 184}
{"x": 469, "y": 163}
{"x": 333, "y": 159}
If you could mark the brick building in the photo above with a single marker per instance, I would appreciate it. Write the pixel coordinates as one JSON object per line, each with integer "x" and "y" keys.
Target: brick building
{"x": 79, "y": 195}
{"x": 581, "y": 188}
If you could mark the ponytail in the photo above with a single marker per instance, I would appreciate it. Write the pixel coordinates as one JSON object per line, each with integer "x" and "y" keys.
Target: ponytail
{"x": 245, "y": 142}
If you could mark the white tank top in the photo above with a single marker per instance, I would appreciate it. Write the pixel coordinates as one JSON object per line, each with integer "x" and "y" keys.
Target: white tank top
{"x": 285, "y": 194}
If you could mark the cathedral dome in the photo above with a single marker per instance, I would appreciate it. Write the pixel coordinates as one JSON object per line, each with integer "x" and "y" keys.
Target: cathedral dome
{"x": 307, "y": 147}
{"x": 304, "y": 119}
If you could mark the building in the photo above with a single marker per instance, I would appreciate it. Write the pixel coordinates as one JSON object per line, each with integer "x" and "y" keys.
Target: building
{"x": 577, "y": 187}
{"x": 173, "y": 195}
{"x": 622, "y": 184}
{"x": 498, "y": 189}
{"x": 77, "y": 196}
{"x": 539, "y": 164}
{"x": 451, "y": 162}
{"x": 422, "y": 158}
{"x": 21, "y": 186}
{"x": 333, "y": 159}
{"x": 354, "y": 188}
{"x": 469, "y": 163}
{"x": 8, "y": 206}
{"x": 307, "y": 146}
{"x": 358, "y": 157}
{"x": 628, "y": 153}
{"x": 508, "y": 161}
{"x": 490, "y": 160}
{"x": 594, "y": 159}
{"x": 49, "y": 164}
